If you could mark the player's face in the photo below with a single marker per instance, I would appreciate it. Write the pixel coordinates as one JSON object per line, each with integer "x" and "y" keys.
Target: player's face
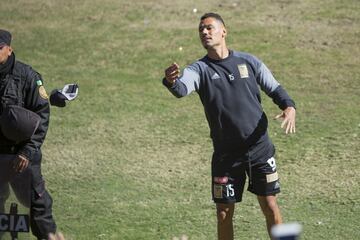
{"x": 212, "y": 33}
{"x": 5, "y": 52}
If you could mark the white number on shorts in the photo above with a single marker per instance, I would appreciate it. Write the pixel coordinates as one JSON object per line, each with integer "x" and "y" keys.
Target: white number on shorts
{"x": 230, "y": 190}
{"x": 271, "y": 162}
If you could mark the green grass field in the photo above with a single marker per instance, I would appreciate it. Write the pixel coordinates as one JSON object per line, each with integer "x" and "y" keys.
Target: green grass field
{"x": 127, "y": 160}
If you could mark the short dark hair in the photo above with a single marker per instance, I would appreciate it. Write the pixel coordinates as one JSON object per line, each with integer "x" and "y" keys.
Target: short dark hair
{"x": 213, "y": 15}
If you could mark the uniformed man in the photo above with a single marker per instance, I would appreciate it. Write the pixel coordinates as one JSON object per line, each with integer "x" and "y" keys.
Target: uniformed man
{"x": 24, "y": 122}
{"x": 227, "y": 82}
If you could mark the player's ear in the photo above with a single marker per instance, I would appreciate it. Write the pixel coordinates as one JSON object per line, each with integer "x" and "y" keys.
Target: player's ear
{"x": 224, "y": 32}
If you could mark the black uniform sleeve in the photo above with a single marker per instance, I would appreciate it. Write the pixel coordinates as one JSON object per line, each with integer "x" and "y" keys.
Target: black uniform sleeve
{"x": 281, "y": 98}
{"x": 178, "y": 89}
{"x": 36, "y": 100}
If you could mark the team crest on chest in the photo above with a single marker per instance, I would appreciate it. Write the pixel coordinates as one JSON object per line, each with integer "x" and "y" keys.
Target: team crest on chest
{"x": 244, "y": 73}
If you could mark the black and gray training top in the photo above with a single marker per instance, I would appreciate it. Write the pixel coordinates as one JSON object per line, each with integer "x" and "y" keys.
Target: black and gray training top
{"x": 228, "y": 89}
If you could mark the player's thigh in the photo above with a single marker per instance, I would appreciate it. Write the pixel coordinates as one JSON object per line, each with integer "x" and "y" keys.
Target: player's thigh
{"x": 264, "y": 177}
{"x": 228, "y": 177}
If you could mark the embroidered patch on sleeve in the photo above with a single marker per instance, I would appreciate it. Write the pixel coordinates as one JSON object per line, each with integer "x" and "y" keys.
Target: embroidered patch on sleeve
{"x": 218, "y": 191}
{"x": 42, "y": 92}
{"x": 243, "y": 71}
{"x": 272, "y": 177}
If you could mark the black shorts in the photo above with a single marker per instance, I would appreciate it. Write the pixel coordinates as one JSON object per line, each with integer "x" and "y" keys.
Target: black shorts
{"x": 229, "y": 170}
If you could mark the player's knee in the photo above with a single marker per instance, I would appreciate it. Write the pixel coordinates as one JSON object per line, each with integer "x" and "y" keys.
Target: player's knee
{"x": 224, "y": 214}
{"x": 221, "y": 215}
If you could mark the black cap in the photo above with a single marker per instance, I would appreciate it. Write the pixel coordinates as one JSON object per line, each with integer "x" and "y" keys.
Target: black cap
{"x": 18, "y": 124}
{"x": 5, "y": 38}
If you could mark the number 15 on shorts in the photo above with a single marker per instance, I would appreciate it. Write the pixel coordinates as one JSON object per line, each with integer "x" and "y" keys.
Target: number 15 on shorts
{"x": 229, "y": 190}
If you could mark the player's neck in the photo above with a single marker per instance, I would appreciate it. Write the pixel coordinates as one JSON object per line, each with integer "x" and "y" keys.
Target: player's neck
{"x": 218, "y": 53}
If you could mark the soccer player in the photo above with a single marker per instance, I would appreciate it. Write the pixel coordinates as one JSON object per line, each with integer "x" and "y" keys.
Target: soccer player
{"x": 227, "y": 82}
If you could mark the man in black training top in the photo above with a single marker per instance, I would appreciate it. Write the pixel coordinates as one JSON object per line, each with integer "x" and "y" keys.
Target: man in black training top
{"x": 227, "y": 82}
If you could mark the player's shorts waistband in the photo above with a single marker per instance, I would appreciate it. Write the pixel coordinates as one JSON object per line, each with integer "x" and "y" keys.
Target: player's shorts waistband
{"x": 239, "y": 146}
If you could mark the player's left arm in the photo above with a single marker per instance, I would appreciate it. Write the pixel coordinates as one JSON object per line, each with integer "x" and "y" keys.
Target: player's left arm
{"x": 279, "y": 96}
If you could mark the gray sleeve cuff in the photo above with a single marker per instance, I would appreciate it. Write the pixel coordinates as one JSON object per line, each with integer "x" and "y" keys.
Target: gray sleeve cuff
{"x": 178, "y": 89}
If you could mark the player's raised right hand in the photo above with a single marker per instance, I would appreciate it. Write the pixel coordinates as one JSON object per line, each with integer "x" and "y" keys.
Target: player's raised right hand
{"x": 172, "y": 73}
